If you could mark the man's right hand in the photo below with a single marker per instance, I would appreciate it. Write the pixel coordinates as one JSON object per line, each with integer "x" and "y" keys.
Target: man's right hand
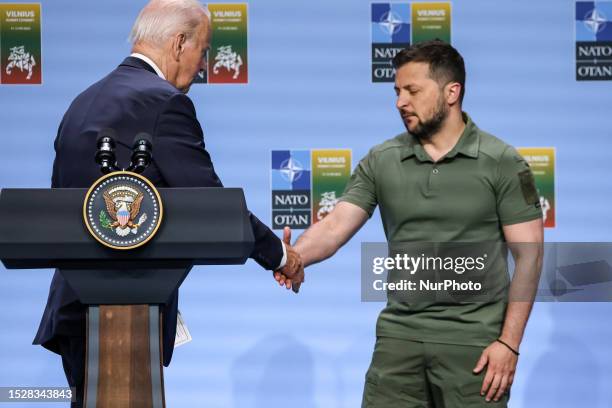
{"x": 292, "y": 274}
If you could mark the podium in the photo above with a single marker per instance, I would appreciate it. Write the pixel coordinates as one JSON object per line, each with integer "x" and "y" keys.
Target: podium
{"x": 44, "y": 228}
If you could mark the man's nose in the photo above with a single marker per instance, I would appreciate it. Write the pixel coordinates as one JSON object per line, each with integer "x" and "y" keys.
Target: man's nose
{"x": 402, "y": 100}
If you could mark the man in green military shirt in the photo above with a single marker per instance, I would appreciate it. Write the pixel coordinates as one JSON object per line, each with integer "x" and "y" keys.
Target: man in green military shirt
{"x": 444, "y": 180}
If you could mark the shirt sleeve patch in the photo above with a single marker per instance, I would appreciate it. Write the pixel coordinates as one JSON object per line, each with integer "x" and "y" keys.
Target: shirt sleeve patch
{"x": 530, "y": 192}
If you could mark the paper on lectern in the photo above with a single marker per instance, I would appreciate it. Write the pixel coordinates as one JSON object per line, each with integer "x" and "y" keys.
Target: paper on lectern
{"x": 182, "y": 332}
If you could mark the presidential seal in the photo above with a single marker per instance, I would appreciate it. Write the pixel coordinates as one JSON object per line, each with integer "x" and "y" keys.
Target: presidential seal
{"x": 122, "y": 210}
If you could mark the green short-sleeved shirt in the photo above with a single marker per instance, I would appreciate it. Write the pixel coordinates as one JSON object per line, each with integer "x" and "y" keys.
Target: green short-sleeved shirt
{"x": 467, "y": 196}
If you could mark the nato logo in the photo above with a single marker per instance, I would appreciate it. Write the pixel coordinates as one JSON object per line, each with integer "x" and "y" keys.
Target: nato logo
{"x": 291, "y": 169}
{"x": 390, "y": 34}
{"x": 291, "y": 188}
{"x": 593, "y": 40}
{"x": 391, "y": 23}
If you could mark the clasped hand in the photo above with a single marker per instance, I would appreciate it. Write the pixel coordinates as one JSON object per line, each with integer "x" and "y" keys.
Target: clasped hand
{"x": 292, "y": 274}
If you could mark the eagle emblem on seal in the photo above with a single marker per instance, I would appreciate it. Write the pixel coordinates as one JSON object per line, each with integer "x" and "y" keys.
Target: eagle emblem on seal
{"x": 122, "y": 208}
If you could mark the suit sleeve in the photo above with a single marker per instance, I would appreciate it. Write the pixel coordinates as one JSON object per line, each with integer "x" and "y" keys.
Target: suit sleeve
{"x": 55, "y": 176}
{"x": 183, "y": 161}
{"x": 179, "y": 147}
{"x": 268, "y": 250}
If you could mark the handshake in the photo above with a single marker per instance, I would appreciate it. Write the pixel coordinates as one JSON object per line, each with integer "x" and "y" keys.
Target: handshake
{"x": 292, "y": 274}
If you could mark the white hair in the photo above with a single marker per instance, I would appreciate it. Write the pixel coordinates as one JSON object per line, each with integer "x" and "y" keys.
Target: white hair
{"x": 161, "y": 19}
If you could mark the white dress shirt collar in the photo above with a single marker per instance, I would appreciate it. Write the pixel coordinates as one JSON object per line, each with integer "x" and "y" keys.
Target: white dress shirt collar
{"x": 150, "y": 62}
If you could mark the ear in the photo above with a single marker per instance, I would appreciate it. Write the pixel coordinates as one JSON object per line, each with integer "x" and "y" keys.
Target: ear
{"x": 452, "y": 92}
{"x": 178, "y": 45}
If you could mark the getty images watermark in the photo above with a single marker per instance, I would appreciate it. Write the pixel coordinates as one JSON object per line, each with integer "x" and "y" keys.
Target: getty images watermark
{"x": 426, "y": 265}
{"x": 486, "y": 272}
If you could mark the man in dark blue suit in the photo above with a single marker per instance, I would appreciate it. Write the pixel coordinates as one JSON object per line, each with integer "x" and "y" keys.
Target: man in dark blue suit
{"x": 146, "y": 93}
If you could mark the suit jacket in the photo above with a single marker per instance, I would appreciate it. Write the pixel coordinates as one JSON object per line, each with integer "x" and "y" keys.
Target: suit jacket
{"x": 133, "y": 99}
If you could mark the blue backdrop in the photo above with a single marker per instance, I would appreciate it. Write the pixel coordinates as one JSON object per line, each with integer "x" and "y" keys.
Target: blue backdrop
{"x": 256, "y": 345}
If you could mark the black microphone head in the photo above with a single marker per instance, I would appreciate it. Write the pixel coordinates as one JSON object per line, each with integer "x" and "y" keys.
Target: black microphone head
{"x": 107, "y": 135}
{"x": 142, "y": 153}
{"x": 105, "y": 155}
{"x": 143, "y": 138}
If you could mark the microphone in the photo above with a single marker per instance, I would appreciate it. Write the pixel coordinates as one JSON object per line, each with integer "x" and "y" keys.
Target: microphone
{"x": 105, "y": 155}
{"x": 142, "y": 154}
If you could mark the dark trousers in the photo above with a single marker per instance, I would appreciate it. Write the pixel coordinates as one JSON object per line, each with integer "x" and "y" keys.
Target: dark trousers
{"x": 72, "y": 350}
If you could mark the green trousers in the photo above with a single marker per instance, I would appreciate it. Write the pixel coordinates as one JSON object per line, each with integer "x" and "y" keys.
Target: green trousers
{"x": 412, "y": 374}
